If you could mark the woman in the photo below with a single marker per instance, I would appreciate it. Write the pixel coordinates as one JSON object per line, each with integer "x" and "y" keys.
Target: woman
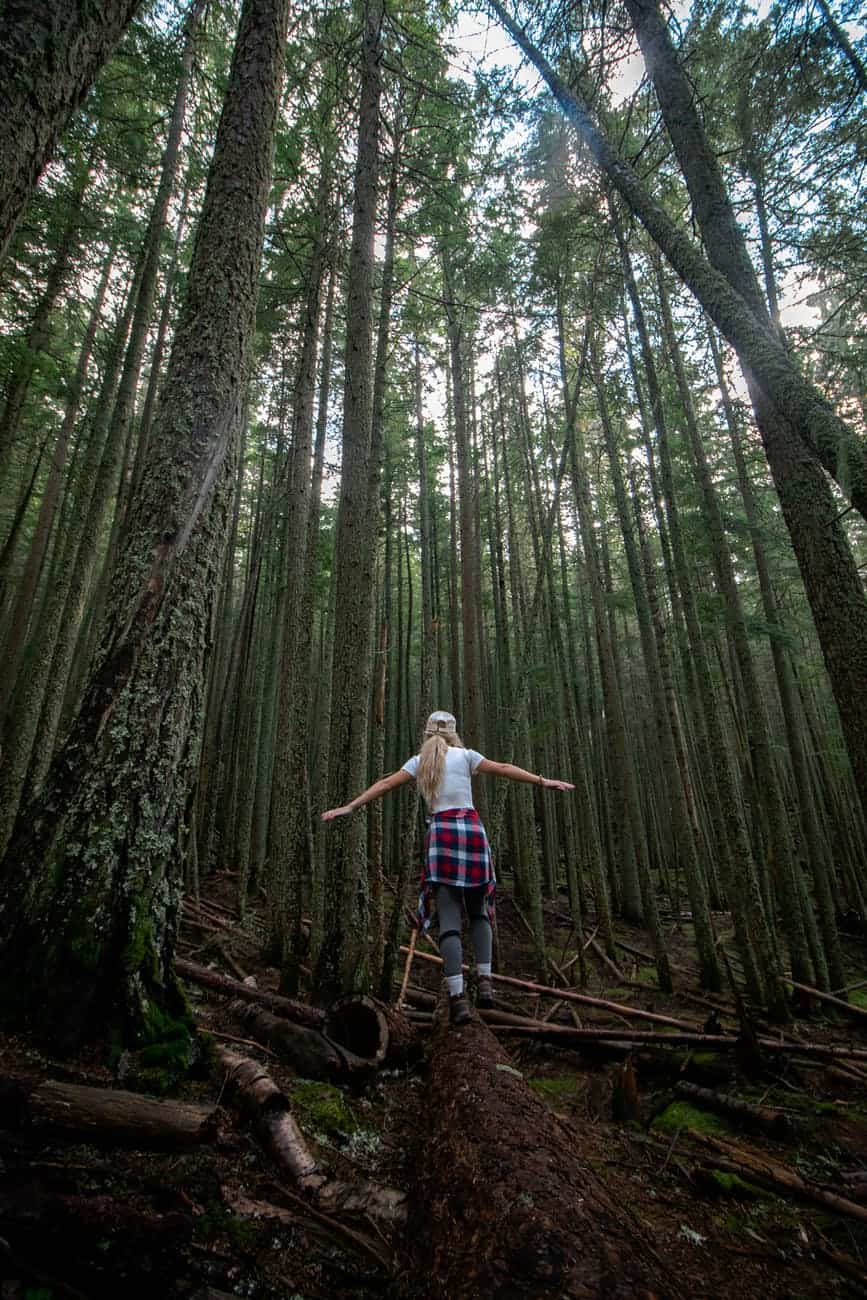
{"x": 458, "y": 867}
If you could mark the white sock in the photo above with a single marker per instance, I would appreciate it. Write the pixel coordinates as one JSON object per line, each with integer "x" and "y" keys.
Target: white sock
{"x": 455, "y": 985}
{"x": 483, "y": 968}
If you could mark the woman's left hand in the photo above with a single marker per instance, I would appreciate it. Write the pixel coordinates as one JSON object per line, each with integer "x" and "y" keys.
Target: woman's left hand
{"x": 550, "y": 784}
{"x": 337, "y": 812}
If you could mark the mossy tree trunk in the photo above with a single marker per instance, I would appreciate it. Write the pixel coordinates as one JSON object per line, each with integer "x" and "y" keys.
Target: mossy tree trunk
{"x": 92, "y": 878}
{"x": 49, "y": 57}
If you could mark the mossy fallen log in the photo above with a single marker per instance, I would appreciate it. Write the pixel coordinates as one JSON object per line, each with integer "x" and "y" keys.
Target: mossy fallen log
{"x": 502, "y": 1204}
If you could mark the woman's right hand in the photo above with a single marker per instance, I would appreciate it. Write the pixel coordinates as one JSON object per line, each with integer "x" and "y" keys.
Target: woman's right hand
{"x": 549, "y": 783}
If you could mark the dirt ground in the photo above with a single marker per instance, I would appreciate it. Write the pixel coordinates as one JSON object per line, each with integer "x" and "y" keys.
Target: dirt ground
{"x": 80, "y": 1221}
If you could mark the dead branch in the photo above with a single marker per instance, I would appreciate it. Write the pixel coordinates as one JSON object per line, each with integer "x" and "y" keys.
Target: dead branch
{"x": 247, "y": 1208}
{"x": 851, "y": 1008}
{"x": 568, "y": 995}
{"x": 773, "y": 1176}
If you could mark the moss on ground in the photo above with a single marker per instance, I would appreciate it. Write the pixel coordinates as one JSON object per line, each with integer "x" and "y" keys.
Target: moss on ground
{"x": 731, "y": 1185}
{"x": 681, "y": 1115}
{"x": 322, "y": 1108}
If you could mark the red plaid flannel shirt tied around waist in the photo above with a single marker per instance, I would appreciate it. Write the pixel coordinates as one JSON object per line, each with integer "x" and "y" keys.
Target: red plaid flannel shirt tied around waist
{"x": 456, "y": 852}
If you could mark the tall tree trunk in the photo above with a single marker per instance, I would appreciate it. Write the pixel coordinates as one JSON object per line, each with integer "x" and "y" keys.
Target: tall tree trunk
{"x": 471, "y": 722}
{"x": 93, "y": 876}
{"x": 342, "y": 959}
{"x": 49, "y": 57}
{"x": 827, "y": 437}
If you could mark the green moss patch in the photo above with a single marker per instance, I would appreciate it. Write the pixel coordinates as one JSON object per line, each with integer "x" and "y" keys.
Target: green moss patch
{"x": 563, "y": 1086}
{"x": 728, "y": 1185}
{"x": 681, "y": 1115}
{"x": 322, "y": 1108}
{"x": 858, "y": 998}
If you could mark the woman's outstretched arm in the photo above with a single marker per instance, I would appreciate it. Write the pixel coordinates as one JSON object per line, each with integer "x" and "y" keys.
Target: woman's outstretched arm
{"x": 521, "y": 774}
{"x": 375, "y": 791}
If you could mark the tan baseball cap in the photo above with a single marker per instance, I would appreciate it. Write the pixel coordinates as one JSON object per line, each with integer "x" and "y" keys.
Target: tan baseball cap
{"x": 440, "y": 721}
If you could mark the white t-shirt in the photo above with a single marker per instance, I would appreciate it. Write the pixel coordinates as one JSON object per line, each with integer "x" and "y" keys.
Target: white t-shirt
{"x": 456, "y": 789}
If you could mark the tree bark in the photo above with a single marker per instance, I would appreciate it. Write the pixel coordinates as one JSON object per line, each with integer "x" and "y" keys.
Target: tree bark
{"x": 342, "y": 964}
{"x": 93, "y": 877}
{"x": 502, "y": 1205}
{"x": 103, "y": 1115}
{"x": 49, "y": 57}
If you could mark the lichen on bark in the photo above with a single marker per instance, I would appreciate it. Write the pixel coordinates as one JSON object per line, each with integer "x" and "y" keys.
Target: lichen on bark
{"x": 91, "y": 881}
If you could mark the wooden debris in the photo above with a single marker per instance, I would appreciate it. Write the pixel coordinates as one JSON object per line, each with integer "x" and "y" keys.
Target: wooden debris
{"x": 850, "y": 1008}
{"x": 103, "y": 1115}
{"x": 763, "y": 1172}
{"x": 247, "y": 1208}
{"x": 413, "y": 940}
{"x": 566, "y": 1036}
{"x": 272, "y": 1116}
{"x": 289, "y": 1008}
{"x": 770, "y": 1120}
{"x": 568, "y": 995}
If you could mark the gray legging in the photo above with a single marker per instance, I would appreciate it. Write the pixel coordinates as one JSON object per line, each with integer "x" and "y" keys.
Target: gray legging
{"x": 449, "y": 900}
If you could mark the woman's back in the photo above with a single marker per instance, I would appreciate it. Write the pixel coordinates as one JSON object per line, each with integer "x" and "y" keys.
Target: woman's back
{"x": 455, "y": 789}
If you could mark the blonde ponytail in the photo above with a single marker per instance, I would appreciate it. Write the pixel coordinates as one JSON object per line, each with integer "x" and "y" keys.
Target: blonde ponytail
{"x": 431, "y": 766}
{"x": 439, "y": 734}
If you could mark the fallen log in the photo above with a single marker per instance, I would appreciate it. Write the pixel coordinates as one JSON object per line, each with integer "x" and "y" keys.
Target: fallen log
{"x": 568, "y": 995}
{"x": 502, "y": 1205}
{"x": 289, "y": 1008}
{"x": 773, "y": 1176}
{"x": 851, "y": 1008}
{"x": 308, "y": 1051}
{"x": 103, "y": 1115}
{"x": 775, "y": 1122}
{"x": 566, "y": 1036}
{"x": 271, "y": 1114}
{"x": 364, "y": 1027}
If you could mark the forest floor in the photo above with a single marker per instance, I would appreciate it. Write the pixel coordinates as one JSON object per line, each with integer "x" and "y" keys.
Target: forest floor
{"x": 80, "y": 1220}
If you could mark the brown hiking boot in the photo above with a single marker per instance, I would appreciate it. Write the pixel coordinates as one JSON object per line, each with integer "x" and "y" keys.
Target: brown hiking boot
{"x": 484, "y": 993}
{"x": 459, "y": 1010}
